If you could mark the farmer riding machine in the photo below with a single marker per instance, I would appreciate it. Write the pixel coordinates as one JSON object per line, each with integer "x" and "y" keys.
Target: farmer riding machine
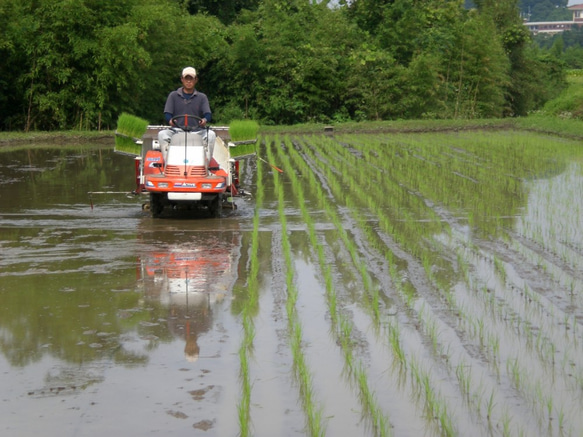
{"x": 187, "y": 172}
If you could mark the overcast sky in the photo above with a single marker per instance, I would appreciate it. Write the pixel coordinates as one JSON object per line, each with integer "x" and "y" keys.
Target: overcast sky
{"x": 574, "y": 2}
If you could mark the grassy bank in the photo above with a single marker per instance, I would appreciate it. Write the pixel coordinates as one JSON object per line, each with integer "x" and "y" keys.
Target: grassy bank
{"x": 59, "y": 137}
{"x": 571, "y": 128}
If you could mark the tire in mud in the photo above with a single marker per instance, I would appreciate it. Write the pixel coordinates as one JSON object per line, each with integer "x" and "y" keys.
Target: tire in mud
{"x": 156, "y": 204}
{"x": 216, "y": 206}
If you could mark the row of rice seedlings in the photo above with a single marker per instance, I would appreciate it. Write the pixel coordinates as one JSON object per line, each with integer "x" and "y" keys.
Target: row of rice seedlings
{"x": 433, "y": 336}
{"x": 426, "y": 262}
{"x": 301, "y": 370}
{"x": 434, "y": 402}
{"x": 341, "y": 324}
{"x": 526, "y": 309}
{"x": 566, "y": 281}
{"x": 370, "y": 295}
{"x": 344, "y": 340}
{"x": 516, "y": 353}
{"x": 558, "y": 234}
{"x": 475, "y": 393}
{"x": 401, "y": 213}
{"x": 246, "y": 348}
{"x": 496, "y": 342}
{"x": 475, "y": 325}
{"x": 474, "y": 319}
{"x": 488, "y": 189}
{"x": 436, "y": 180}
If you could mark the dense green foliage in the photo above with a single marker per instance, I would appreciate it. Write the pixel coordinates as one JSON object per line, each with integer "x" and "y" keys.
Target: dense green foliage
{"x": 80, "y": 63}
{"x": 546, "y": 10}
{"x": 566, "y": 46}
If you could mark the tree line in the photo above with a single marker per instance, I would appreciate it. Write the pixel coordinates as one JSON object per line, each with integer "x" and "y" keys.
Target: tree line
{"x": 77, "y": 64}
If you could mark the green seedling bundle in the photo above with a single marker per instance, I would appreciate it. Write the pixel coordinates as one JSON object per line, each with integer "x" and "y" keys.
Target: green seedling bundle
{"x": 243, "y": 135}
{"x": 128, "y": 135}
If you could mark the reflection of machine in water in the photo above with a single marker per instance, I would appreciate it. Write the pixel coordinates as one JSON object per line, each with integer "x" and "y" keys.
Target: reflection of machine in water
{"x": 190, "y": 276}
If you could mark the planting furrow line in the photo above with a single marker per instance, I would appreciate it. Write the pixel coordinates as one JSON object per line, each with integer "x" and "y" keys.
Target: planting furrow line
{"x": 247, "y": 314}
{"x": 420, "y": 378}
{"x": 516, "y": 350}
{"x": 341, "y": 325}
{"x": 420, "y": 317}
{"x": 301, "y": 370}
{"x": 430, "y": 328}
{"x": 569, "y": 278}
{"x": 544, "y": 326}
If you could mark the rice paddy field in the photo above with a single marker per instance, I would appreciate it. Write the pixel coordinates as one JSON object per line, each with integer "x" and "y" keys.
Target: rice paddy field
{"x": 422, "y": 284}
{"x": 372, "y": 284}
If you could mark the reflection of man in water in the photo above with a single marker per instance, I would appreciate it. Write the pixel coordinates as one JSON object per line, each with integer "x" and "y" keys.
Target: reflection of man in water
{"x": 188, "y": 277}
{"x": 191, "y": 349}
{"x": 190, "y": 316}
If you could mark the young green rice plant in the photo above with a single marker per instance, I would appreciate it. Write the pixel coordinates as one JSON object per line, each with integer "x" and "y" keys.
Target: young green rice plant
{"x": 395, "y": 342}
{"x": 368, "y": 400}
{"x": 490, "y": 406}
{"x": 434, "y": 403}
{"x": 243, "y": 407}
{"x": 464, "y": 375}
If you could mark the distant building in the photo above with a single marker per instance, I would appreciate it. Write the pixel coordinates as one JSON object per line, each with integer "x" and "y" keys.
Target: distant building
{"x": 552, "y": 27}
{"x": 549, "y": 26}
{"x": 577, "y": 12}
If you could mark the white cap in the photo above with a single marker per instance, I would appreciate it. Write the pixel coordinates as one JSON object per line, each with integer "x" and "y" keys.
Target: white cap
{"x": 189, "y": 71}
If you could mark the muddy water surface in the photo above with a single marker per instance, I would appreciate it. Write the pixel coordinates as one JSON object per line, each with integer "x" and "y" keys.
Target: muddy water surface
{"x": 110, "y": 322}
{"x": 398, "y": 285}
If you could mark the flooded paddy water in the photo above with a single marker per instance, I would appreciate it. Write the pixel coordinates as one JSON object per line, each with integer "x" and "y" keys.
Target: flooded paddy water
{"x": 383, "y": 284}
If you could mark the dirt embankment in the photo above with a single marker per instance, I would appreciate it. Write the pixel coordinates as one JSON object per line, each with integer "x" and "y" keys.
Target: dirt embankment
{"x": 572, "y": 130}
{"x": 52, "y": 138}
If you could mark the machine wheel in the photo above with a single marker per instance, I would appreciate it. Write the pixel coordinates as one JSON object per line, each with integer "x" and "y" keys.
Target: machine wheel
{"x": 156, "y": 204}
{"x": 216, "y": 206}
